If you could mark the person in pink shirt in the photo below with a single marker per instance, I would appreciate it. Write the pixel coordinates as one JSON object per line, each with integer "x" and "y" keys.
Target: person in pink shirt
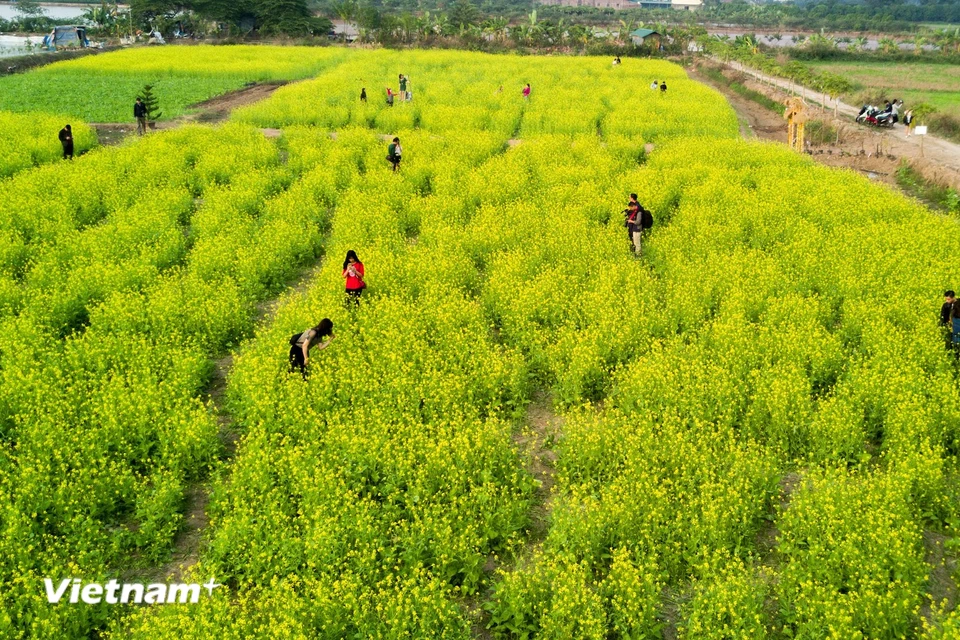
{"x": 353, "y": 274}
{"x": 526, "y": 92}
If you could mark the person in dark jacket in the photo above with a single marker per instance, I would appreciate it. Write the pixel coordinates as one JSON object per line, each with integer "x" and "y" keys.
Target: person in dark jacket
{"x": 363, "y": 94}
{"x": 66, "y": 139}
{"x": 140, "y": 113}
{"x": 947, "y": 312}
{"x": 300, "y": 348}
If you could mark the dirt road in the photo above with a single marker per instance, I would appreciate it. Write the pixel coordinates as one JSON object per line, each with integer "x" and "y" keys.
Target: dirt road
{"x": 937, "y": 155}
{"x": 213, "y": 110}
{"x": 877, "y": 153}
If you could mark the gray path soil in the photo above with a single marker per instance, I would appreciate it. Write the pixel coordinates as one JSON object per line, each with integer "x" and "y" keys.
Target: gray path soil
{"x": 189, "y": 541}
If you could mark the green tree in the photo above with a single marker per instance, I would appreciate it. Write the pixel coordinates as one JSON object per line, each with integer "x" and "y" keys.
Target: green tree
{"x": 102, "y": 16}
{"x": 918, "y": 41}
{"x": 291, "y": 17}
{"x": 922, "y": 112}
{"x": 150, "y": 102}
{"x": 835, "y": 85}
{"x": 463, "y": 14}
{"x": 888, "y": 45}
{"x": 495, "y": 27}
{"x": 346, "y": 10}
{"x": 29, "y": 8}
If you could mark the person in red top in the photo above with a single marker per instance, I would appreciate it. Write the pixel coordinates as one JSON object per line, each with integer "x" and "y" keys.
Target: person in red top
{"x": 353, "y": 273}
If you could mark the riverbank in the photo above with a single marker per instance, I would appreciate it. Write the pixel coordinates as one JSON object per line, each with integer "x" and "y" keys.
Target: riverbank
{"x": 21, "y": 63}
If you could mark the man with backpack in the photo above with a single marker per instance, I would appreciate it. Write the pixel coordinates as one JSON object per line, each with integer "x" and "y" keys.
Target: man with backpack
{"x": 394, "y": 153}
{"x": 301, "y": 343}
{"x": 637, "y": 219}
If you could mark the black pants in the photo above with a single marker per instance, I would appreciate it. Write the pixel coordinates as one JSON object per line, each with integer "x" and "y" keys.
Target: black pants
{"x": 353, "y": 295}
{"x": 68, "y": 151}
{"x": 296, "y": 361}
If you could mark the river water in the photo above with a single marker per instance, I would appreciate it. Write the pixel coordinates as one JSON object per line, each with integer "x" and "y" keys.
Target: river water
{"x": 67, "y": 12}
{"x": 16, "y": 45}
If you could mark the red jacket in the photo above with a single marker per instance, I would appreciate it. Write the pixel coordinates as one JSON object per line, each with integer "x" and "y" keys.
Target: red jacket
{"x": 354, "y": 282}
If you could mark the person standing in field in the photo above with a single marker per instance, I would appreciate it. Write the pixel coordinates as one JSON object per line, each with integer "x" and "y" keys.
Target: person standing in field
{"x": 663, "y": 87}
{"x": 300, "y": 345}
{"x": 353, "y": 273}
{"x": 526, "y": 92}
{"x": 632, "y": 222}
{"x": 946, "y": 317}
{"x": 389, "y": 97}
{"x": 403, "y": 88}
{"x": 654, "y": 85}
{"x": 363, "y": 95}
{"x": 394, "y": 153}
{"x": 66, "y": 140}
{"x": 140, "y": 113}
{"x": 955, "y": 326}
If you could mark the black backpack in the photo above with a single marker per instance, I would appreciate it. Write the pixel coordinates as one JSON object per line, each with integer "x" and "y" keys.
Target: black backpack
{"x": 646, "y": 218}
{"x": 294, "y": 338}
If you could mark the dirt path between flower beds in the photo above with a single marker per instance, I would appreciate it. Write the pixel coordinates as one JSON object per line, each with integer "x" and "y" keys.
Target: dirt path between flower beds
{"x": 538, "y": 432}
{"x": 187, "y": 544}
{"x": 216, "y": 109}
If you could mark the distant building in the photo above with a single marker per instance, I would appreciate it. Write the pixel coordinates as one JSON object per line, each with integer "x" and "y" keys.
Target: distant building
{"x": 686, "y": 5}
{"x": 649, "y": 36}
{"x": 597, "y": 4}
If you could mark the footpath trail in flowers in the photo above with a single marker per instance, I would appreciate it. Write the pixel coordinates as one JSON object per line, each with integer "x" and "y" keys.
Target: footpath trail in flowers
{"x": 778, "y": 334}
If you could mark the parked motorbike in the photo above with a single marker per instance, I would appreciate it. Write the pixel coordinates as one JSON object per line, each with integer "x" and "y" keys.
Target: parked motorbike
{"x": 877, "y": 117}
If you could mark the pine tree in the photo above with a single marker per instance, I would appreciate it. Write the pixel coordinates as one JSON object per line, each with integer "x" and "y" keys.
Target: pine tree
{"x": 151, "y": 102}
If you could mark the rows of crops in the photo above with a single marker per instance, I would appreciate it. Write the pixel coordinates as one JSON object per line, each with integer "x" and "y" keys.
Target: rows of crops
{"x": 760, "y": 423}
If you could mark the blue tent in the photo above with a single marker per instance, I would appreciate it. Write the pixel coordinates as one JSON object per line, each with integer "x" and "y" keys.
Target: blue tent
{"x": 66, "y": 36}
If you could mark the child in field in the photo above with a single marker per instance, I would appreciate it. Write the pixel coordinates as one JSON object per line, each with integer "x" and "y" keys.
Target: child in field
{"x": 526, "y": 92}
{"x": 663, "y": 87}
{"x": 363, "y": 95}
{"x": 301, "y": 344}
{"x": 389, "y": 97}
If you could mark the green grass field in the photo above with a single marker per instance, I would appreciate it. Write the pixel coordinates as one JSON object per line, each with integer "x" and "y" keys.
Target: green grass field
{"x": 938, "y": 84}
{"x": 102, "y": 88}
